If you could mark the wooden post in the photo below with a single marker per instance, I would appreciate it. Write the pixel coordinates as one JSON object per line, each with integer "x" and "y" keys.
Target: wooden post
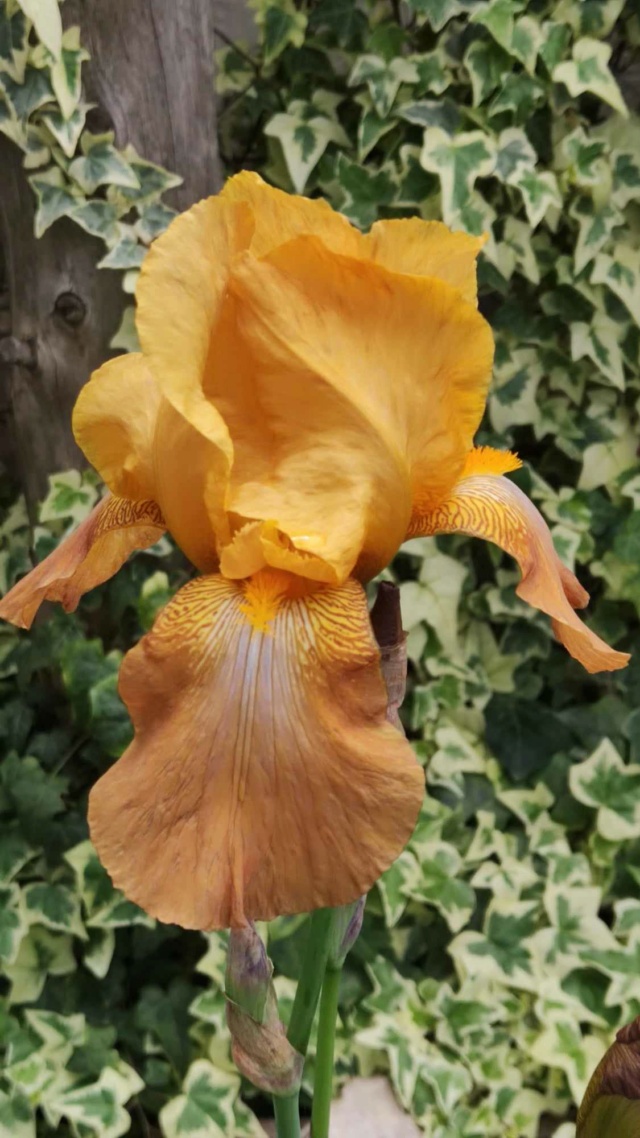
{"x": 151, "y": 75}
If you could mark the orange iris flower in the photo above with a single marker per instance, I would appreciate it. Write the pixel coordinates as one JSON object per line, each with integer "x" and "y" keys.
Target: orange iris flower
{"x": 305, "y": 399}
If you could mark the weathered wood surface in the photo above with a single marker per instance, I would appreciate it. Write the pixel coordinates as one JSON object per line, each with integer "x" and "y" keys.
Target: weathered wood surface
{"x": 152, "y": 75}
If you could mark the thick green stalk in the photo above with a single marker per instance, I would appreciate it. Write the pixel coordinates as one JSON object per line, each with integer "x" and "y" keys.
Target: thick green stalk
{"x": 323, "y": 1083}
{"x": 287, "y": 1115}
{"x": 311, "y": 977}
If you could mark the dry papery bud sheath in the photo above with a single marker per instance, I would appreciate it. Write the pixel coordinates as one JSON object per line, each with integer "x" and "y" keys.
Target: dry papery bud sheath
{"x": 611, "y": 1105}
{"x": 260, "y": 1048}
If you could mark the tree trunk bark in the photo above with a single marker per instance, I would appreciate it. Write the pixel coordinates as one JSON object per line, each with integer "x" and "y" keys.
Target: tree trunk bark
{"x": 151, "y": 74}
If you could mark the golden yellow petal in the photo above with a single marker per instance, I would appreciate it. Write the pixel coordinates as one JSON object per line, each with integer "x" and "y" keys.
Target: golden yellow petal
{"x": 407, "y": 353}
{"x": 427, "y": 249}
{"x": 263, "y": 778}
{"x": 495, "y": 509}
{"x": 279, "y": 217}
{"x": 89, "y": 556}
{"x": 179, "y": 297}
{"x": 114, "y": 423}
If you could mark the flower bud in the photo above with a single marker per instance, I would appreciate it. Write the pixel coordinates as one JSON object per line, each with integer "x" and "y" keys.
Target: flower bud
{"x": 260, "y": 1048}
{"x": 249, "y": 971}
{"x": 611, "y": 1105}
{"x": 346, "y": 923}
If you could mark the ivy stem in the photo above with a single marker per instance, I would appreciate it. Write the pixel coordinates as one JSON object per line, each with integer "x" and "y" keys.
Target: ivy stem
{"x": 286, "y": 1109}
{"x": 310, "y": 982}
{"x": 323, "y": 1083}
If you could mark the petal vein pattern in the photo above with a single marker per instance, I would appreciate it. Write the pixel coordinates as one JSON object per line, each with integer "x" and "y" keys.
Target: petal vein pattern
{"x": 263, "y": 778}
{"x": 497, "y": 510}
{"x": 90, "y": 555}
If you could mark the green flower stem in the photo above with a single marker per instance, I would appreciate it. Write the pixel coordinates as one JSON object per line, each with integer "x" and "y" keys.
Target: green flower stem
{"x": 287, "y": 1110}
{"x": 323, "y": 1084}
{"x": 311, "y": 977}
{"x": 287, "y": 1114}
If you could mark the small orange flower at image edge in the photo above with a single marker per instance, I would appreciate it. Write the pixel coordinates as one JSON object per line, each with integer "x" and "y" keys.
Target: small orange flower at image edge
{"x": 305, "y": 399}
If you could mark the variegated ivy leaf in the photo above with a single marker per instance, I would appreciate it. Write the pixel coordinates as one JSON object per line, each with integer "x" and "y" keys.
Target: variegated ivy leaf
{"x": 439, "y": 885}
{"x": 584, "y": 159}
{"x": 281, "y": 25}
{"x": 14, "y": 43}
{"x": 126, "y": 254}
{"x": 434, "y": 69}
{"x": 513, "y": 398}
{"x": 371, "y": 127}
{"x": 205, "y": 1108}
{"x": 25, "y": 97}
{"x": 234, "y": 72}
{"x": 620, "y": 272}
{"x": 153, "y": 181}
{"x": 46, "y": 19}
{"x": 55, "y": 907}
{"x": 438, "y": 12}
{"x": 501, "y": 953}
{"x": 540, "y": 193}
{"x": 604, "y": 462}
{"x": 13, "y": 922}
{"x": 626, "y": 177}
{"x": 517, "y": 236}
{"x": 527, "y": 805}
{"x": 487, "y": 64}
{"x": 596, "y": 18}
{"x": 14, "y": 853}
{"x": 66, "y": 131}
{"x": 126, "y": 337}
{"x": 457, "y": 162}
{"x": 99, "y": 218}
{"x": 383, "y": 79}
{"x": 520, "y": 36}
{"x": 153, "y": 219}
{"x": 612, "y": 788}
{"x": 596, "y": 226}
{"x": 246, "y": 1125}
{"x": 55, "y": 197}
{"x": 563, "y": 1045}
{"x": 101, "y": 164}
{"x": 66, "y": 72}
{"x": 514, "y": 154}
{"x": 17, "y": 1119}
{"x": 72, "y": 494}
{"x": 98, "y": 1109}
{"x": 395, "y": 886}
{"x": 41, "y": 953}
{"x": 435, "y": 596}
{"x": 363, "y": 192}
{"x": 304, "y": 136}
{"x": 105, "y": 906}
{"x": 588, "y": 71}
{"x": 600, "y": 341}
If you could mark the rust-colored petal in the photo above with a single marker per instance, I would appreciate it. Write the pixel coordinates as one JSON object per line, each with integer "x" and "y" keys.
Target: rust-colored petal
{"x": 427, "y": 249}
{"x": 263, "y": 778}
{"x": 114, "y": 423}
{"x": 86, "y": 558}
{"x": 494, "y": 508}
{"x": 611, "y": 1104}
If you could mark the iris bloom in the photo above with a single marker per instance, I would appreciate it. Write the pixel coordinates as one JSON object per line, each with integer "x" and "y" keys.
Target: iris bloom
{"x": 305, "y": 399}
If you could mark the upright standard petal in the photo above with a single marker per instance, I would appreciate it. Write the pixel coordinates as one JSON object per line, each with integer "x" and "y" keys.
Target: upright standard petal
{"x": 278, "y": 217}
{"x": 489, "y": 506}
{"x": 114, "y": 423}
{"x": 263, "y": 778}
{"x": 409, "y": 353}
{"x": 86, "y": 558}
{"x": 427, "y": 249}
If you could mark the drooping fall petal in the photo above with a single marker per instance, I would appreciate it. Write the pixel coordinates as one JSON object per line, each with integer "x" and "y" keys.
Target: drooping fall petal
{"x": 408, "y": 353}
{"x": 427, "y": 249}
{"x": 492, "y": 507}
{"x": 263, "y": 778}
{"x": 86, "y": 558}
